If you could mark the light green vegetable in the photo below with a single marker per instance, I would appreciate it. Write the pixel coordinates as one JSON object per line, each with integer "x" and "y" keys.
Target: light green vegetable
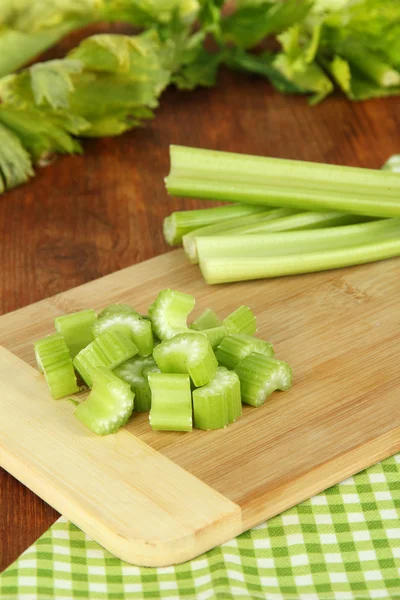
{"x": 113, "y": 309}
{"x": 207, "y": 320}
{"x": 76, "y": 328}
{"x": 109, "y": 404}
{"x": 109, "y": 350}
{"x": 135, "y": 371}
{"x": 235, "y": 347}
{"x": 261, "y": 375}
{"x": 54, "y": 360}
{"x": 187, "y": 353}
{"x": 218, "y": 403}
{"x": 171, "y": 402}
{"x": 242, "y": 320}
{"x": 215, "y": 334}
{"x": 132, "y": 326}
{"x": 169, "y": 313}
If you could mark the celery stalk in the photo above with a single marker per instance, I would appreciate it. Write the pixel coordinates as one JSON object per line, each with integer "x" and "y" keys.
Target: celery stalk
{"x": 131, "y": 325}
{"x": 179, "y": 223}
{"x": 270, "y": 181}
{"x": 235, "y": 347}
{"x": 109, "y": 350}
{"x": 215, "y": 335}
{"x": 169, "y": 313}
{"x": 242, "y": 320}
{"x": 109, "y": 404}
{"x": 135, "y": 371}
{"x": 224, "y": 270}
{"x": 54, "y": 360}
{"x": 207, "y": 320}
{"x": 171, "y": 402}
{"x": 260, "y": 376}
{"x": 392, "y": 164}
{"x": 217, "y": 403}
{"x": 187, "y": 353}
{"x": 289, "y": 243}
{"x": 76, "y": 328}
{"x": 113, "y": 309}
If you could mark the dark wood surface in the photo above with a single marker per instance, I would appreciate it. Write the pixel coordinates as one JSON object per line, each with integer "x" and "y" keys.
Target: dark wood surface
{"x": 84, "y": 217}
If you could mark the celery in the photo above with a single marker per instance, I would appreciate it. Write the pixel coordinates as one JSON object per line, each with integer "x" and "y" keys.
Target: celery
{"x": 109, "y": 404}
{"x": 76, "y": 329}
{"x": 135, "y": 371}
{"x": 54, "y": 360}
{"x": 392, "y": 164}
{"x": 296, "y": 242}
{"x": 171, "y": 402}
{"x": 235, "y": 347}
{"x": 169, "y": 313}
{"x": 243, "y": 224}
{"x": 109, "y": 350}
{"x": 242, "y": 320}
{"x": 206, "y": 320}
{"x": 288, "y": 183}
{"x": 132, "y": 326}
{"x": 260, "y": 376}
{"x": 113, "y": 309}
{"x": 215, "y": 334}
{"x": 182, "y": 222}
{"x": 187, "y": 353}
{"x": 217, "y": 403}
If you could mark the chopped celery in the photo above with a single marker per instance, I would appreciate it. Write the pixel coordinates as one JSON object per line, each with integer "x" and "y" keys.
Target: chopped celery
{"x": 54, "y": 360}
{"x": 226, "y": 176}
{"x": 171, "y": 402}
{"x": 187, "y": 353}
{"x": 109, "y": 350}
{"x": 182, "y": 222}
{"x": 242, "y": 320}
{"x": 218, "y": 403}
{"x": 135, "y": 371}
{"x": 76, "y": 328}
{"x": 109, "y": 404}
{"x": 169, "y": 313}
{"x": 111, "y": 309}
{"x": 131, "y": 325}
{"x": 392, "y": 164}
{"x": 215, "y": 334}
{"x": 207, "y": 320}
{"x": 260, "y": 376}
{"x": 235, "y": 347}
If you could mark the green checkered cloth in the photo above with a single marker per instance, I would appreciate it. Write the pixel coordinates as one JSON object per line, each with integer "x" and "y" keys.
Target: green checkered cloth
{"x": 343, "y": 544}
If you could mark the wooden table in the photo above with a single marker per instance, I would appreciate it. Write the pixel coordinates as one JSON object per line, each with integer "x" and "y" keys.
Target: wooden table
{"x": 84, "y": 217}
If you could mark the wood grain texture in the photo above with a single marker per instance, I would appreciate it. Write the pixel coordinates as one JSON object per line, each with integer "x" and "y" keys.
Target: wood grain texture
{"x": 338, "y": 330}
{"x": 84, "y": 217}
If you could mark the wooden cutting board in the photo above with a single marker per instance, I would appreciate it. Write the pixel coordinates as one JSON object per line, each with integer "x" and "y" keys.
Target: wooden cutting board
{"x": 158, "y": 498}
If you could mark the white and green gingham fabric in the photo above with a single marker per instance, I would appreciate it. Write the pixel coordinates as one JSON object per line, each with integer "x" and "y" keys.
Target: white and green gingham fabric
{"x": 343, "y": 544}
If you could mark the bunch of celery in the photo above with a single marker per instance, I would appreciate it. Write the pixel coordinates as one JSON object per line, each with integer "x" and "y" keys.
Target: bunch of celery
{"x": 111, "y": 83}
{"x": 327, "y": 217}
{"x": 180, "y": 373}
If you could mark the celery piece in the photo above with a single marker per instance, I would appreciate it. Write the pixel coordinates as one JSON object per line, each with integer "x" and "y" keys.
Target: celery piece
{"x": 131, "y": 325}
{"x": 179, "y": 223}
{"x": 217, "y": 403}
{"x": 76, "y": 328}
{"x": 260, "y": 376}
{"x": 244, "y": 224}
{"x": 242, "y": 320}
{"x": 235, "y": 347}
{"x": 54, "y": 360}
{"x": 207, "y": 320}
{"x": 169, "y": 313}
{"x": 171, "y": 402}
{"x": 215, "y": 335}
{"x": 109, "y": 350}
{"x": 231, "y": 177}
{"x": 187, "y": 353}
{"x": 135, "y": 371}
{"x": 109, "y": 404}
{"x": 392, "y": 164}
{"x": 112, "y": 309}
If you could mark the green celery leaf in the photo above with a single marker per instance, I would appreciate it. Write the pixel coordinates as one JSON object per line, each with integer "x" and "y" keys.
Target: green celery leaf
{"x": 148, "y": 13}
{"x": 15, "y": 162}
{"x": 51, "y": 81}
{"x": 201, "y": 71}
